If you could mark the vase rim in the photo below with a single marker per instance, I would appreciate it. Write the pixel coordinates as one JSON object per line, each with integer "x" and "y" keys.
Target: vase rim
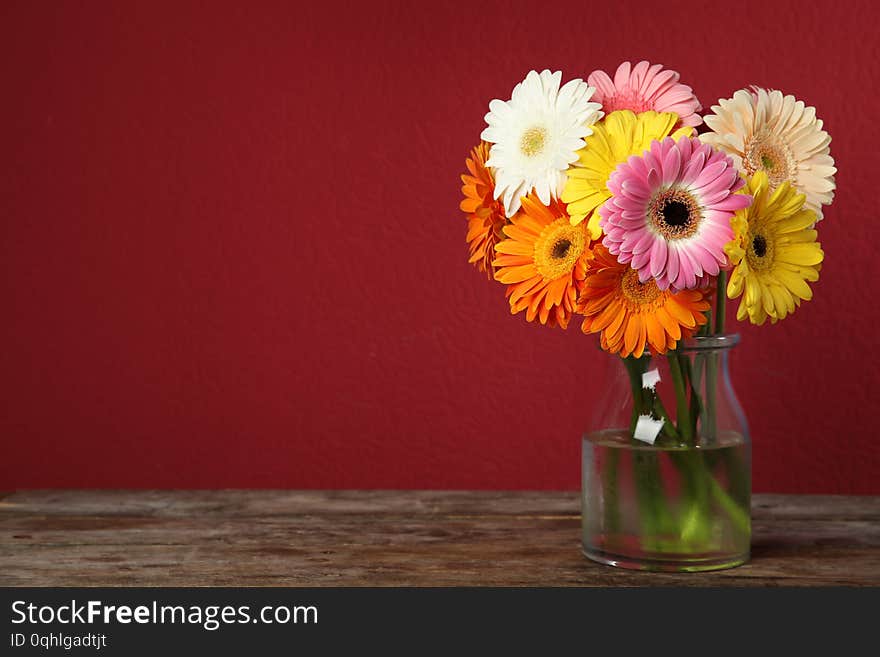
{"x": 714, "y": 342}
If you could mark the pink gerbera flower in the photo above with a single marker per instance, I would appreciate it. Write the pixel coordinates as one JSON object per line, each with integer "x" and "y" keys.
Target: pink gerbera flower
{"x": 645, "y": 87}
{"x": 670, "y": 210}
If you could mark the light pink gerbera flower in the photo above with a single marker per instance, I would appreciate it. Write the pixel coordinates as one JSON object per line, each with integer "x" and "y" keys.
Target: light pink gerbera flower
{"x": 670, "y": 210}
{"x": 644, "y": 87}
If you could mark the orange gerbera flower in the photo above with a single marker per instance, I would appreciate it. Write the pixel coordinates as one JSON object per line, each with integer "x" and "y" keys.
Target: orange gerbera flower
{"x": 485, "y": 215}
{"x": 543, "y": 261}
{"x": 633, "y": 315}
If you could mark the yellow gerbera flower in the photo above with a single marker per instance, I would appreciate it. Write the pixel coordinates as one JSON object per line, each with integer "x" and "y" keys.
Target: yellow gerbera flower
{"x": 615, "y": 138}
{"x": 774, "y": 252}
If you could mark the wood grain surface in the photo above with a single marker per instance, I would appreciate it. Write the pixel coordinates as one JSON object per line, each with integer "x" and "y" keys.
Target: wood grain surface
{"x": 391, "y": 538}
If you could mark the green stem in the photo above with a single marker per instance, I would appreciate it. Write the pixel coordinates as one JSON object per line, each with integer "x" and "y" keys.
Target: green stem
{"x": 669, "y": 429}
{"x": 635, "y": 384}
{"x": 740, "y": 517}
{"x": 720, "y": 302}
{"x": 646, "y": 401}
{"x": 697, "y": 379}
{"x": 611, "y": 466}
{"x": 739, "y": 475}
{"x": 695, "y": 521}
{"x": 609, "y": 492}
{"x": 710, "y": 430}
{"x": 643, "y": 477}
{"x": 654, "y": 514}
{"x": 681, "y": 402}
{"x": 696, "y": 406}
{"x": 698, "y": 481}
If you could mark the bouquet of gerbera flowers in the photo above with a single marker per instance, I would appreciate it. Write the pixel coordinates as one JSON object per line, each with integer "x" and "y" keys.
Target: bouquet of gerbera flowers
{"x": 615, "y": 200}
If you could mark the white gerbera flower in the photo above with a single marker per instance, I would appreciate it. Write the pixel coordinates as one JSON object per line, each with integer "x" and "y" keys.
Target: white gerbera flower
{"x": 766, "y": 131}
{"x": 536, "y": 135}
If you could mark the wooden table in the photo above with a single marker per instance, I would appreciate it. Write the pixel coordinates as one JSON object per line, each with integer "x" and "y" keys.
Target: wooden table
{"x": 390, "y": 538}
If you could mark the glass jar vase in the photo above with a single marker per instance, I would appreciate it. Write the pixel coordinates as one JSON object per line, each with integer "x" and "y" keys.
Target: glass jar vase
{"x": 666, "y": 479}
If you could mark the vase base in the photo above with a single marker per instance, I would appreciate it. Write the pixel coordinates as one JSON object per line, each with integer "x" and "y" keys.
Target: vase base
{"x": 669, "y": 565}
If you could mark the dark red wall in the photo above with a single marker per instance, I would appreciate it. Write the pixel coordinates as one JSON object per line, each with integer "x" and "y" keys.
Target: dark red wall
{"x": 233, "y": 255}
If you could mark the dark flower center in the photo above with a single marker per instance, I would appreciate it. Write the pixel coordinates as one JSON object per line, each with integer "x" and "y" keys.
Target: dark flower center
{"x": 676, "y": 213}
{"x": 759, "y": 246}
{"x": 560, "y": 249}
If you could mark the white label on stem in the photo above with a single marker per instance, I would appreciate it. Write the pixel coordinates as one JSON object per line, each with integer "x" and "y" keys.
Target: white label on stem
{"x": 650, "y": 379}
{"x": 647, "y": 429}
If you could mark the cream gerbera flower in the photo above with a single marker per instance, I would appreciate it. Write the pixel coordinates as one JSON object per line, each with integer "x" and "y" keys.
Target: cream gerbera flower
{"x": 536, "y": 135}
{"x": 766, "y": 131}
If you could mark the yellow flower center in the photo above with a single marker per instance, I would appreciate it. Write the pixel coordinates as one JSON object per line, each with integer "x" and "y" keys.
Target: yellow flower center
{"x": 636, "y": 294}
{"x": 759, "y": 251}
{"x": 558, "y": 248}
{"x": 765, "y": 152}
{"x": 674, "y": 214}
{"x": 533, "y": 140}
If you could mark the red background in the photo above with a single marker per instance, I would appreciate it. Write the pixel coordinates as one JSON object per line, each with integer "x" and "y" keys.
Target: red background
{"x": 233, "y": 256}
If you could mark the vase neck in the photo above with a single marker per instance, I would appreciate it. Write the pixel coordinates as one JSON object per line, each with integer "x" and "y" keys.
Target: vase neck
{"x": 721, "y": 342}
